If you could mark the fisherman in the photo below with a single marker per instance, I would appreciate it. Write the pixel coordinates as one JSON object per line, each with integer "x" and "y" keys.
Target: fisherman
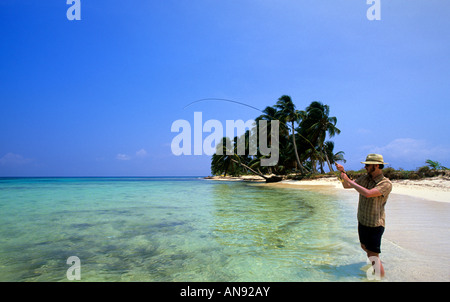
{"x": 373, "y": 189}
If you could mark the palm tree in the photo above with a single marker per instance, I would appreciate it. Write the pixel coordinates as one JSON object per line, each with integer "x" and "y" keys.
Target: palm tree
{"x": 434, "y": 165}
{"x": 225, "y": 159}
{"x": 333, "y": 157}
{"x": 269, "y": 114}
{"x": 287, "y": 114}
{"x": 221, "y": 161}
{"x": 306, "y": 141}
{"x": 321, "y": 125}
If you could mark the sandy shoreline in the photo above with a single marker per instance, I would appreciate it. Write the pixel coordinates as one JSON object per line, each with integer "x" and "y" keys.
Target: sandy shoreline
{"x": 434, "y": 188}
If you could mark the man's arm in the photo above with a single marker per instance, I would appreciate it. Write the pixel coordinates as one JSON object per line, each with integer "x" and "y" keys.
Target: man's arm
{"x": 361, "y": 190}
{"x": 345, "y": 183}
{"x": 349, "y": 184}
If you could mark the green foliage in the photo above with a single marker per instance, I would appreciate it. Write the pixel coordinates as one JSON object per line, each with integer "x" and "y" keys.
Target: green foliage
{"x": 400, "y": 173}
{"x": 421, "y": 172}
{"x": 435, "y": 165}
{"x": 303, "y": 149}
{"x": 390, "y": 173}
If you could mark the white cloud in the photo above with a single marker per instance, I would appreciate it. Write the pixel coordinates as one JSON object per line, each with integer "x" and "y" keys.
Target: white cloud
{"x": 141, "y": 153}
{"x": 363, "y": 131}
{"x": 410, "y": 149}
{"x": 123, "y": 157}
{"x": 12, "y": 159}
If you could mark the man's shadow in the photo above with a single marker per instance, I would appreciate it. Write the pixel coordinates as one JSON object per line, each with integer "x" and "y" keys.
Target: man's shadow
{"x": 347, "y": 270}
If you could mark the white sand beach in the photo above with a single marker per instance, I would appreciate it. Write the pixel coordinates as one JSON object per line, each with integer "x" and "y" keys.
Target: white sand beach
{"x": 435, "y": 188}
{"x": 416, "y": 240}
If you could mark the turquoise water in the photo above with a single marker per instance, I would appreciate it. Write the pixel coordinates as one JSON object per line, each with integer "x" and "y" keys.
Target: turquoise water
{"x": 174, "y": 229}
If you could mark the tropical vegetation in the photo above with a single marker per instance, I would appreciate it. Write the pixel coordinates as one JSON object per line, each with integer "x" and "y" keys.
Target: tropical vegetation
{"x": 304, "y": 145}
{"x": 432, "y": 169}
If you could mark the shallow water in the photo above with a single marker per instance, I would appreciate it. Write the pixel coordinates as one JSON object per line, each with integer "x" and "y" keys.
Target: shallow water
{"x": 177, "y": 229}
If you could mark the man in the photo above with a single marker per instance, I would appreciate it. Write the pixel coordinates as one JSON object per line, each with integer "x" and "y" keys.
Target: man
{"x": 373, "y": 190}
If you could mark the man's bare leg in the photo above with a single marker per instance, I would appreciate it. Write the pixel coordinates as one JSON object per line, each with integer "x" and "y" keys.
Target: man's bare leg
{"x": 377, "y": 262}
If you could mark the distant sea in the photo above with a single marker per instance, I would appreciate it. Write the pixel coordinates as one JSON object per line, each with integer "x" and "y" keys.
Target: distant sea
{"x": 174, "y": 229}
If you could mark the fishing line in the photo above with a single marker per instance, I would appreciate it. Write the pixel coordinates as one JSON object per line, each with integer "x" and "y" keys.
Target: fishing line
{"x": 224, "y": 100}
{"x": 249, "y": 106}
{"x": 243, "y": 104}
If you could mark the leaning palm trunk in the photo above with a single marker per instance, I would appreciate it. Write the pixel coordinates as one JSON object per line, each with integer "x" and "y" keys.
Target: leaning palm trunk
{"x": 267, "y": 179}
{"x": 321, "y": 167}
{"x": 295, "y": 150}
{"x": 250, "y": 169}
{"x": 313, "y": 164}
{"x": 328, "y": 162}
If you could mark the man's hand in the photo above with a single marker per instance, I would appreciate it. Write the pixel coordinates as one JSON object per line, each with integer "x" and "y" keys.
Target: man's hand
{"x": 339, "y": 167}
{"x": 343, "y": 177}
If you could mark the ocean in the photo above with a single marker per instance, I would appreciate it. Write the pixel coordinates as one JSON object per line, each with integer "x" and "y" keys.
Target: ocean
{"x": 175, "y": 229}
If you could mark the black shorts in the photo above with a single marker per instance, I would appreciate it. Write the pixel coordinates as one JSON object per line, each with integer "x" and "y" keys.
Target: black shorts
{"x": 371, "y": 237}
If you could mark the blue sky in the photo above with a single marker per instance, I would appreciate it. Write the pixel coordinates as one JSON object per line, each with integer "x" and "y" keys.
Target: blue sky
{"x": 98, "y": 96}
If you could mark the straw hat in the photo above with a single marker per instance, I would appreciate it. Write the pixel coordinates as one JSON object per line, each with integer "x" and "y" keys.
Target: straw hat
{"x": 374, "y": 159}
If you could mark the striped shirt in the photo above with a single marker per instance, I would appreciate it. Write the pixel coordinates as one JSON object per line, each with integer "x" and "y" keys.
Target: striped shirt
{"x": 371, "y": 210}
